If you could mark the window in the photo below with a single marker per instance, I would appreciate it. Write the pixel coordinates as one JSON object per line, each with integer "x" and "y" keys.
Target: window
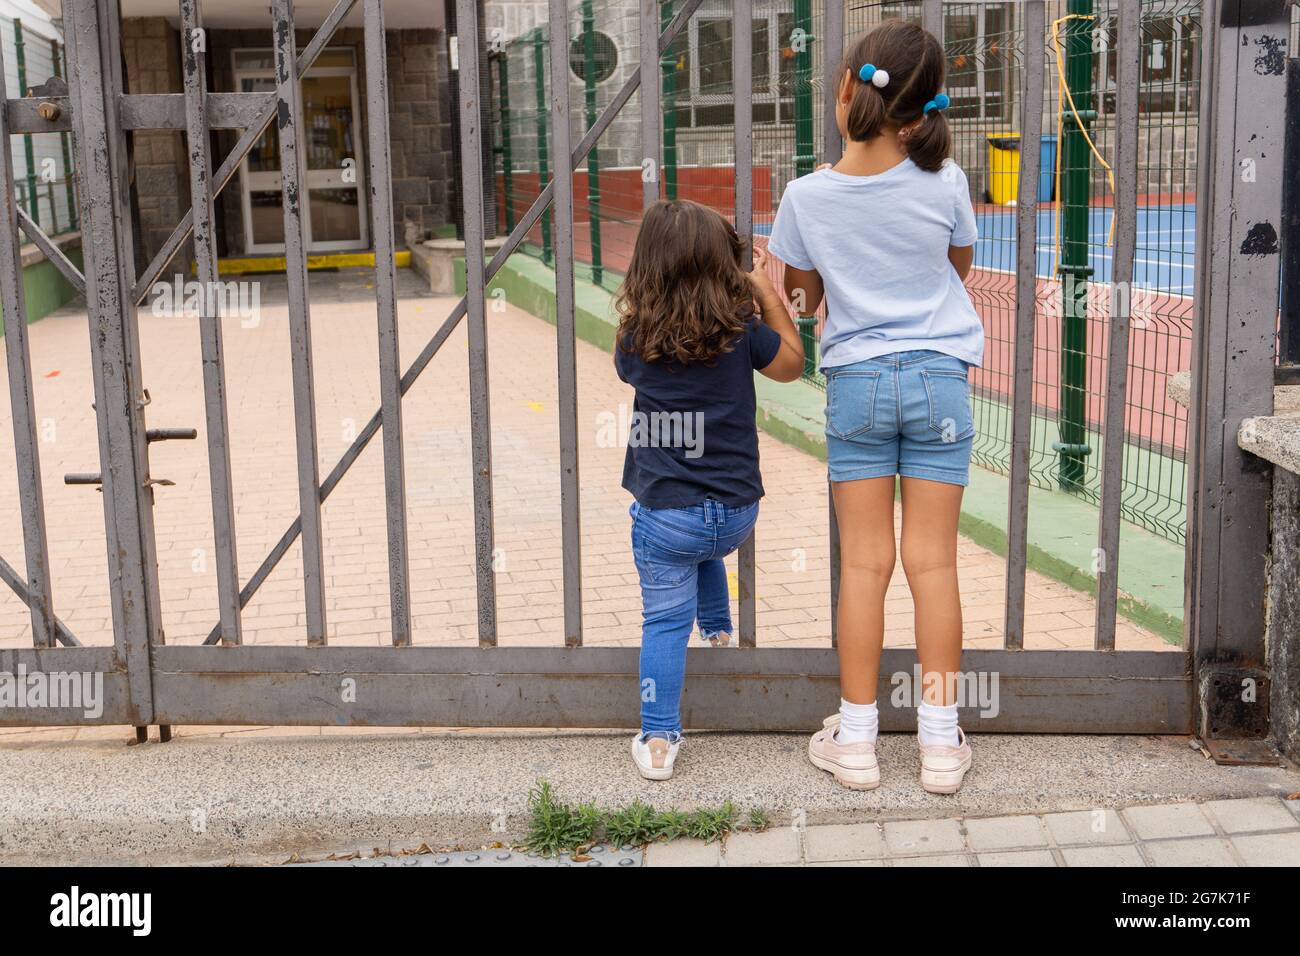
{"x": 703, "y": 90}
{"x": 603, "y": 63}
{"x": 1171, "y": 67}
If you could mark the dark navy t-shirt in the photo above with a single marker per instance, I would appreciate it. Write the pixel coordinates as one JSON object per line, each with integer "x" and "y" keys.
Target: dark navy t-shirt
{"x": 691, "y": 433}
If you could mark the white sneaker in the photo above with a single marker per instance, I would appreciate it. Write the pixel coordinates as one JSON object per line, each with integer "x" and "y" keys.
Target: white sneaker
{"x": 655, "y": 757}
{"x": 943, "y": 768}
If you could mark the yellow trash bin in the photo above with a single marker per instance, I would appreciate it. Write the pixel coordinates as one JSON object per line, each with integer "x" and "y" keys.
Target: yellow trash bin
{"x": 1004, "y": 168}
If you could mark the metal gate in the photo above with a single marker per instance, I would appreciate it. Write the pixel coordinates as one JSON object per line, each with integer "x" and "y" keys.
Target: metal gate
{"x": 146, "y": 681}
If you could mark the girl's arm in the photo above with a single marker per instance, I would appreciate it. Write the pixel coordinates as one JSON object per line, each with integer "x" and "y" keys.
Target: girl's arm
{"x": 788, "y": 364}
{"x": 962, "y": 258}
{"x": 804, "y": 289}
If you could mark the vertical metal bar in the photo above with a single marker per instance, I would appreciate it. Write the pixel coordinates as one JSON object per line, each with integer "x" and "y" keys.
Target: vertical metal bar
{"x": 651, "y": 119}
{"x": 289, "y": 121}
{"x": 193, "y": 64}
{"x": 507, "y": 137}
{"x": 832, "y": 150}
{"x": 669, "y": 111}
{"x": 805, "y": 157}
{"x": 1128, "y": 71}
{"x": 60, "y": 67}
{"x": 1022, "y": 383}
{"x": 29, "y": 154}
{"x": 742, "y": 69}
{"x": 832, "y": 54}
{"x": 565, "y": 329}
{"x": 1288, "y": 371}
{"x": 543, "y": 149}
{"x": 471, "y": 151}
{"x": 593, "y": 156}
{"x": 22, "y": 399}
{"x": 128, "y": 499}
{"x": 390, "y": 366}
{"x": 932, "y": 17}
{"x": 1242, "y": 130}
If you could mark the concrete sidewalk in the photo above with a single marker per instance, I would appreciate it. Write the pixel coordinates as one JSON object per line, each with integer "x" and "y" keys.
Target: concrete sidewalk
{"x": 252, "y": 797}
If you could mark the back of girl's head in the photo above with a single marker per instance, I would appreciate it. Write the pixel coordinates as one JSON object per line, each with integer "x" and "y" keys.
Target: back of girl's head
{"x": 914, "y": 60}
{"x": 686, "y": 296}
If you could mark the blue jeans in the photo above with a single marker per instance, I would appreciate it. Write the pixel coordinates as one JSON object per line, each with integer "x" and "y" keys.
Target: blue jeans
{"x": 678, "y": 554}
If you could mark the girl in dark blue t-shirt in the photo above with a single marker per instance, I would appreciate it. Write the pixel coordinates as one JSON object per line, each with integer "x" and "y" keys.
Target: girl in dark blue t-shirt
{"x": 689, "y": 342}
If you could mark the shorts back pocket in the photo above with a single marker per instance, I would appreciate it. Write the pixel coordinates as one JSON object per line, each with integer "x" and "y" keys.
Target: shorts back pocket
{"x": 948, "y": 393}
{"x": 851, "y": 402}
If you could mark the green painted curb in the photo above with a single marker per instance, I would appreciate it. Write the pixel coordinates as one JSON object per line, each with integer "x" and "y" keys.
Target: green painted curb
{"x": 1062, "y": 529}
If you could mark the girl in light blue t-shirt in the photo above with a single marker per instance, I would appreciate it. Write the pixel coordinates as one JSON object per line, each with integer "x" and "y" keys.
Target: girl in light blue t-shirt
{"x": 886, "y": 236}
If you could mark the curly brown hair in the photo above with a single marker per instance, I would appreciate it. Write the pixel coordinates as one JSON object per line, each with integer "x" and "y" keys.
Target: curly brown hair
{"x": 686, "y": 297}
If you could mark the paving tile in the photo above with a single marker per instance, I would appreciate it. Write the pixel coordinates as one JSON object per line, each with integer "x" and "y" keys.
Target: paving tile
{"x": 1002, "y": 833}
{"x": 1168, "y": 820}
{"x": 1195, "y": 851}
{"x": 1247, "y": 816}
{"x": 852, "y": 841}
{"x": 1017, "y": 858}
{"x": 1273, "y": 849}
{"x": 762, "y": 849}
{"x": 1086, "y": 827}
{"x": 1109, "y": 855}
{"x": 939, "y": 859}
{"x": 910, "y": 837}
{"x": 684, "y": 853}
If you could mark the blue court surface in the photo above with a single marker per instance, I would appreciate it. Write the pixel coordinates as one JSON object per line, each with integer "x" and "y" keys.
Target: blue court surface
{"x": 1166, "y": 244}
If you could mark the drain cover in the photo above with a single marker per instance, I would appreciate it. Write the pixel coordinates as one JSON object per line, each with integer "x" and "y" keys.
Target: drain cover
{"x": 595, "y": 856}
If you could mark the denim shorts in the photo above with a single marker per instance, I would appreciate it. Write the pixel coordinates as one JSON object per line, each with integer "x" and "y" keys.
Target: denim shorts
{"x": 906, "y": 413}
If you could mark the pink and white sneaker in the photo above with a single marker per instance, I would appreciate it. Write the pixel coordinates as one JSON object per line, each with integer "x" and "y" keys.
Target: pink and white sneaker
{"x": 654, "y": 757}
{"x": 943, "y": 767}
{"x": 853, "y": 765}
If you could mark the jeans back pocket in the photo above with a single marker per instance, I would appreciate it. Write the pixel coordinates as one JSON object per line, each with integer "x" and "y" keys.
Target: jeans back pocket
{"x": 948, "y": 393}
{"x": 851, "y": 402}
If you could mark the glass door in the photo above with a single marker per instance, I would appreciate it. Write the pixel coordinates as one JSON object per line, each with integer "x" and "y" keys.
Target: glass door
{"x": 335, "y": 213}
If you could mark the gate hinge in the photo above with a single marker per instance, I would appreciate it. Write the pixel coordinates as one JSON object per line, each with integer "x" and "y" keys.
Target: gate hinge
{"x": 1233, "y": 712}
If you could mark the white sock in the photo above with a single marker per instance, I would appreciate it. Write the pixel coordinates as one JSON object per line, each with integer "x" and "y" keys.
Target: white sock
{"x": 858, "y": 722}
{"x": 937, "y": 725}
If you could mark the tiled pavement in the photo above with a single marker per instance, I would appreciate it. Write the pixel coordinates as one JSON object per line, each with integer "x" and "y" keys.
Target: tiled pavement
{"x": 1263, "y": 831}
{"x": 792, "y": 582}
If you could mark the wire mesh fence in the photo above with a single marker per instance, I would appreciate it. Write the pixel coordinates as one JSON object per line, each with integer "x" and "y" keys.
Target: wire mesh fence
{"x": 42, "y": 161}
{"x": 984, "y": 44}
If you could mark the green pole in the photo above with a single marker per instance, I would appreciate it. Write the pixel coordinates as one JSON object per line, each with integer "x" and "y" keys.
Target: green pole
{"x": 593, "y": 157}
{"x": 668, "y": 63}
{"x": 33, "y": 204}
{"x": 804, "y": 157}
{"x": 60, "y": 69}
{"x": 1076, "y": 186}
{"x": 507, "y": 176}
{"x": 807, "y": 325}
{"x": 543, "y": 160}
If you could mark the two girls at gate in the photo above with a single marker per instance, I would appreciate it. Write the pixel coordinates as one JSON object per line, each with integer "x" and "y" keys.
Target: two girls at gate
{"x": 885, "y": 238}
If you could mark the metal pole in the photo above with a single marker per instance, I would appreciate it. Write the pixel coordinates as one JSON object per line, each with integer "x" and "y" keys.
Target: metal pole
{"x": 193, "y": 64}
{"x": 832, "y": 150}
{"x": 471, "y": 151}
{"x": 507, "y": 159}
{"x": 289, "y": 99}
{"x": 669, "y": 67}
{"x": 60, "y": 68}
{"x": 805, "y": 159}
{"x": 651, "y": 119}
{"x": 390, "y": 363}
{"x": 1288, "y": 370}
{"x": 22, "y": 401}
{"x": 593, "y": 158}
{"x": 1022, "y": 382}
{"x": 543, "y": 149}
{"x": 565, "y": 327}
{"x": 29, "y": 154}
{"x": 742, "y": 69}
{"x": 1076, "y": 198}
{"x": 1128, "y": 74}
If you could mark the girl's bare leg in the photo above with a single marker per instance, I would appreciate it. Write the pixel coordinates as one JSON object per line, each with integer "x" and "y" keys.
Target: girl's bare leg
{"x": 931, "y": 510}
{"x": 865, "y": 512}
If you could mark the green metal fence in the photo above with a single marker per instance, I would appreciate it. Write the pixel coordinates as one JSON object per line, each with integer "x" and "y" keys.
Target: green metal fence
{"x": 43, "y": 161}
{"x": 984, "y": 43}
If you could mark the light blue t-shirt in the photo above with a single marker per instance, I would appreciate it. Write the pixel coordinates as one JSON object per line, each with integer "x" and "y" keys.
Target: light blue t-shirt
{"x": 880, "y": 244}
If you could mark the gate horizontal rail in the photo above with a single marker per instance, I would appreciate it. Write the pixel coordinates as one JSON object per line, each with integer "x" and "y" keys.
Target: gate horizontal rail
{"x": 757, "y": 688}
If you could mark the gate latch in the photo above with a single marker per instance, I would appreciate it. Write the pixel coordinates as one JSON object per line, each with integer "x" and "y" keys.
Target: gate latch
{"x": 151, "y": 435}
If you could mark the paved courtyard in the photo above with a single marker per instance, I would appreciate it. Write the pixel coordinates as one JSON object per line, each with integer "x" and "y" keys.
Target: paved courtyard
{"x": 792, "y": 585}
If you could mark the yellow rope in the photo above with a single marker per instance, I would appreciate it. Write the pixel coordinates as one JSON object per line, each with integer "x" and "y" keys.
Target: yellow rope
{"x": 1065, "y": 96}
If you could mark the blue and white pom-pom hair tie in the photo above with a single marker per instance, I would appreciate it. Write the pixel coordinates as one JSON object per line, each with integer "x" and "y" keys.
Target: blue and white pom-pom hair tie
{"x": 940, "y": 102}
{"x": 877, "y": 78}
